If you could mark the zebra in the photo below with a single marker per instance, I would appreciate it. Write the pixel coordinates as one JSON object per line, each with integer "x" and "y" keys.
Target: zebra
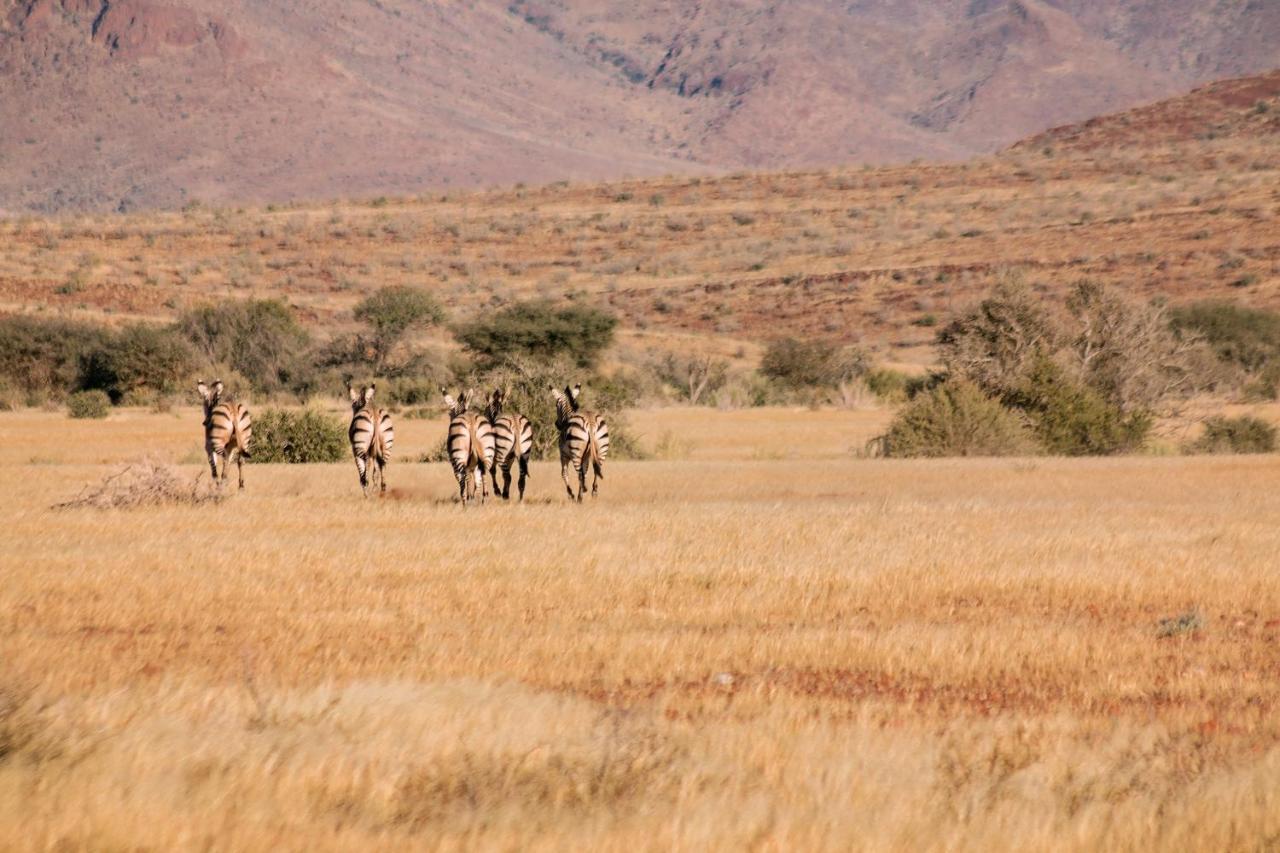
{"x": 584, "y": 440}
{"x": 227, "y": 430}
{"x": 372, "y": 434}
{"x": 513, "y": 442}
{"x": 470, "y": 446}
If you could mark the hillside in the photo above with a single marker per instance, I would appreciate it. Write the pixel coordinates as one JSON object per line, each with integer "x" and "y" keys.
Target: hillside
{"x": 876, "y": 255}
{"x": 133, "y": 104}
{"x": 1242, "y": 108}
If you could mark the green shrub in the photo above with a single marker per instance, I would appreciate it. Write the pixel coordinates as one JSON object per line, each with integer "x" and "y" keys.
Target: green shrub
{"x": 140, "y": 360}
{"x": 1244, "y": 434}
{"x": 797, "y": 365}
{"x": 1071, "y": 419}
{"x": 89, "y": 404}
{"x": 259, "y": 339}
{"x": 538, "y": 330}
{"x": 895, "y": 386}
{"x": 45, "y": 357}
{"x": 956, "y": 419}
{"x": 281, "y": 435}
{"x": 1247, "y": 337}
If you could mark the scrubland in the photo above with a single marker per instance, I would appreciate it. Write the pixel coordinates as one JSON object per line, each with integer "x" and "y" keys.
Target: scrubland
{"x": 877, "y": 255}
{"x": 751, "y": 642}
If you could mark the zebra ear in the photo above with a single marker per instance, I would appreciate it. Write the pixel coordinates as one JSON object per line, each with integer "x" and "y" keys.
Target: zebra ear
{"x": 217, "y": 387}
{"x": 352, "y": 393}
{"x": 202, "y": 388}
{"x": 368, "y": 393}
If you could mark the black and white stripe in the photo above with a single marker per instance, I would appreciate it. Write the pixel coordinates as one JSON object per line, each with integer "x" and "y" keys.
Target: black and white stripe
{"x": 227, "y": 431}
{"x": 512, "y": 441}
{"x": 471, "y": 448}
{"x": 584, "y": 440}
{"x": 372, "y": 434}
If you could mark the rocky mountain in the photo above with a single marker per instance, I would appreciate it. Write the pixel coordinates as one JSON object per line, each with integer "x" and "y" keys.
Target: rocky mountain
{"x": 118, "y": 104}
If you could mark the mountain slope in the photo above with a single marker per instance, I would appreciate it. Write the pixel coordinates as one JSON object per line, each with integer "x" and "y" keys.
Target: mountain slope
{"x": 1241, "y": 108}
{"x": 117, "y": 104}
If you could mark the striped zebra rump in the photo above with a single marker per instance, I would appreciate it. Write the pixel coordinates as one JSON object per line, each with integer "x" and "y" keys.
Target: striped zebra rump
{"x": 512, "y": 439}
{"x": 228, "y": 429}
{"x": 372, "y": 435}
{"x": 584, "y": 441}
{"x": 471, "y": 443}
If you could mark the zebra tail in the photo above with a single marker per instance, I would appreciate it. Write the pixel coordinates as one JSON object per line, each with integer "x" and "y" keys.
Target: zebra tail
{"x": 593, "y": 452}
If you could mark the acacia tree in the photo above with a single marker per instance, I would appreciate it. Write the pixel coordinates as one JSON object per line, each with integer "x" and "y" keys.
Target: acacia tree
{"x": 693, "y": 375}
{"x": 391, "y": 313}
{"x": 538, "y": 330}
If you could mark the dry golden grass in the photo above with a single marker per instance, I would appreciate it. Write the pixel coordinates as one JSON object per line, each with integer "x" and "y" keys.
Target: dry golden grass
{"x": 726, "y": 650}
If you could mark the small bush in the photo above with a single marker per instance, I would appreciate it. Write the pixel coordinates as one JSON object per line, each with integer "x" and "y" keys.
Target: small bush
{"x": 280, "y": 435}
{"x": 895, "y": 386}
{"x": 800, "y": 365}
{"x": 1244, "y": 434}
{"x": 89, "y": 404}
{"x": 1248, "y": 338}
{"x": 1072, "y": 419}
{"x": 956, "y": 419}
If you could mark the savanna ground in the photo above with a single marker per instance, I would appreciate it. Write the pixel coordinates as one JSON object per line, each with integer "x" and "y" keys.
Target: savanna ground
{"x": 750, "y": 642}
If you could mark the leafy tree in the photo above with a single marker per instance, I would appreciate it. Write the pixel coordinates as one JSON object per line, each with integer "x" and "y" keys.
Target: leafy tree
{"x": 139, "y": 358}
{"x": 259, "y": 339}
{"x": 391, "y": 313}
{"x": 43, "y": 356}
{"x": 539, "y": 330}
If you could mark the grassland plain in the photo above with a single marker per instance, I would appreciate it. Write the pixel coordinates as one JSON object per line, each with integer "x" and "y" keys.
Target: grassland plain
{"x": 734, "y": 648}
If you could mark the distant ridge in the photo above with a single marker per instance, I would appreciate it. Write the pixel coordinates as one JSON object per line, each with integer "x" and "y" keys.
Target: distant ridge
{"x": 123, "y": 104}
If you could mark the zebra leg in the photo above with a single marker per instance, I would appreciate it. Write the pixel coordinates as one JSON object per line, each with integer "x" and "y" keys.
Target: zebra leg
{"x": 482, "y": 483}
{"x": 240, "y": 468}
{"x": 213, "y": 465}
{"x": 595, "y": 477}
{"x": 582, "y": 482}
{"x": 524, "y": 475}
{"x": 506, "y": 478}
{"x": 463, "y": 482}
{"x": 382, "y": 476}
{"x": 564, "y": 474}
{"x": 362, "y": 465}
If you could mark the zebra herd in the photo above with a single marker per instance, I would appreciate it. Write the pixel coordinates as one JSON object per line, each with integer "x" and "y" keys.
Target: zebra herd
{"x": 479, "y": 443}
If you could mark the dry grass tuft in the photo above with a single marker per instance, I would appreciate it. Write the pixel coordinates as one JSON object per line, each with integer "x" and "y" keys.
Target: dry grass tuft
{"x": 141, "y": 484}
